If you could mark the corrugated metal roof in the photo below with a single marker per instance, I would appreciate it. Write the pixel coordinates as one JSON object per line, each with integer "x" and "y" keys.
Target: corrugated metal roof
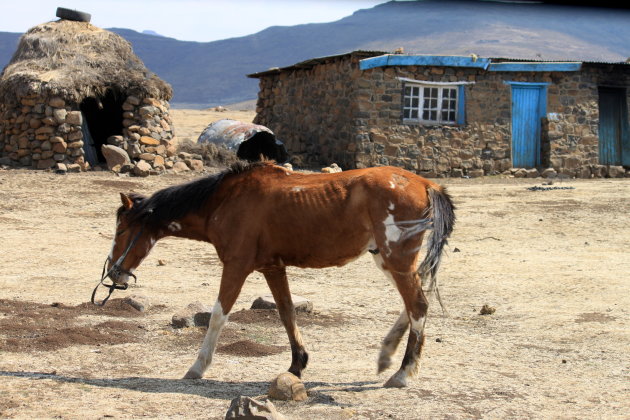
{"x": 307, "y": 64}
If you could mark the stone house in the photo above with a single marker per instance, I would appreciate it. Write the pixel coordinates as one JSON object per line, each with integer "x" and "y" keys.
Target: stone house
{"x": 73, "y": 90}
{"x": 451, "y": 115}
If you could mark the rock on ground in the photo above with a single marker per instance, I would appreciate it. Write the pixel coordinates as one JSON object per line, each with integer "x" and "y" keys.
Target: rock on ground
{"x": 287, "y": 387}
{"x": 267, "y": 302}
{"x": 247, "y": 408}
{"x": 195, "y": 313}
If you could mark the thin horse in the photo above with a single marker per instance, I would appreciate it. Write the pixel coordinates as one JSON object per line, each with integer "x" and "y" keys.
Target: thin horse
{"x": 262, "y": 217}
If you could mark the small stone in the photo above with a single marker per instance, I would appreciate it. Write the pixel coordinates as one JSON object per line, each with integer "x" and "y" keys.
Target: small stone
{"x": 133, "y": 100}
{"x": 115, "y": 140}
{"x": 142, "y": 168}
{"x": 287, "y": 387}
{"x": 195, "y": 164}
{"x": 57, "y": 102}
{"x": 149, "y": 141}
{"x": 138, "y": 302}
{"x": 487, "y": 310}
{"x": 247, "y": 408}
{"x": 202, "y": 319}
{"x": 149, "y": 157}
{"x": 180, "y": 167}
{"x": 60, "y": 115}
{"x": 74, "y": 118}
{"x": 186, "y": 317}
{"x": 267, "y": 302}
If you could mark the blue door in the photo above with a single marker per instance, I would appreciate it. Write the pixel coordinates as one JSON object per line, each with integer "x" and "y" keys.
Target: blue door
{"x": 614, "y": 144}
{"x": 529, "y": 106}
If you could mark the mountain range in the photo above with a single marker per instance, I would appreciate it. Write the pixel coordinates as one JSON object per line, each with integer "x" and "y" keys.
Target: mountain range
{"x": 214, "y": 73}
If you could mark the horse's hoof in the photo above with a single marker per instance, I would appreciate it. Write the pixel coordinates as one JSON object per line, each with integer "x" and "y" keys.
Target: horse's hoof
{"x": 396, "y": 381}
{"x": 191, "y": 374}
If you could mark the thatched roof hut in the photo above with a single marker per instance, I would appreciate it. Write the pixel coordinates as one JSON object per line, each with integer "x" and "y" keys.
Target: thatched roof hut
{"x": 71, "y": 88}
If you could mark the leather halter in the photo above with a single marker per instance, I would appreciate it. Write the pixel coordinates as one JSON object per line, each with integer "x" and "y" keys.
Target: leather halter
{"x": 116, "y": 267}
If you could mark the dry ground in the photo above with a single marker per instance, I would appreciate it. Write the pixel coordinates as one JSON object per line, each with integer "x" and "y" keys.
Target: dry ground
{"x": 554, "y": 264}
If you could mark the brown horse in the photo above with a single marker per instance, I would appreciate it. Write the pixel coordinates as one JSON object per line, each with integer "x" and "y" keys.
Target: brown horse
{"x": 263, "y": 217}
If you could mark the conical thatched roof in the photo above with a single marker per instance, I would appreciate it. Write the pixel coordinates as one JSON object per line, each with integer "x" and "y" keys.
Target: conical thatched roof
{"x": 75, "y": 60}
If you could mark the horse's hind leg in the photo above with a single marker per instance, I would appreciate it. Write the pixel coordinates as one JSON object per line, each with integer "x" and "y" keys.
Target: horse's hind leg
{"x": 391, "y": 341}
{"x": 232, "y": 281}
{"x": 417, "y": 305}
{"x": 279, "y": 286}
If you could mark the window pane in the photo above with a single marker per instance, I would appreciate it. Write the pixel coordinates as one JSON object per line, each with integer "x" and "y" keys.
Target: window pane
{"x": 407, "y": 90}
{"x": 414, "y": 113}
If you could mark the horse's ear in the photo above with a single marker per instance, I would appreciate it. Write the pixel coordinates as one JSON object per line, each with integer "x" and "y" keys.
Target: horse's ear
{"x": 126, "y": 201}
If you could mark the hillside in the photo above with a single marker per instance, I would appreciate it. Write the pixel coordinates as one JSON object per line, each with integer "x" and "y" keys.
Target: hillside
{"x": 214, "y": 73}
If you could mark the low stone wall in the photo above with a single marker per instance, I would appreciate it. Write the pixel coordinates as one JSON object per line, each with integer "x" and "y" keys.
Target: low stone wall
{"x": 40, "y": 133}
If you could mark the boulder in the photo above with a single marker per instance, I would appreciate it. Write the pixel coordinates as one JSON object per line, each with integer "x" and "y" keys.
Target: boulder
{"x": 114, "y": 155}
{"x": 267, "y": 302}
{"x": 287, "y": 387}
{"x": 247, "y": 408}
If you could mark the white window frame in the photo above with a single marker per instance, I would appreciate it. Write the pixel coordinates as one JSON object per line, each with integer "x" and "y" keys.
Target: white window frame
{"x": 415, "y": 105}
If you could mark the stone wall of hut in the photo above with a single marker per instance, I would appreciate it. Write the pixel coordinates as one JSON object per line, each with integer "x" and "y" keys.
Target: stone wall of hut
{"x": 313, "y": 111}
{"x": 47, "y": 132}
{"x": 334, "y": 112}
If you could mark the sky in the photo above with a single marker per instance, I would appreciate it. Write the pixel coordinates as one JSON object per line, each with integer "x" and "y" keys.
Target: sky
{"x": 186, "y": 20}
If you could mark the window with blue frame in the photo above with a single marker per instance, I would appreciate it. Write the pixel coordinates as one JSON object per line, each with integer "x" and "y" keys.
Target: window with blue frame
{"x": 433, "y": 103}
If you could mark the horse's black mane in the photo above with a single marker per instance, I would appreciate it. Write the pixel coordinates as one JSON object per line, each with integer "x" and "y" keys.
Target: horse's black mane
{"x": 177, "y": 201}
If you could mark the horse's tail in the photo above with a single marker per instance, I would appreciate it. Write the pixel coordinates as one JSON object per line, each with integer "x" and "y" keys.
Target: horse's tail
{"x": 442, "y": 212}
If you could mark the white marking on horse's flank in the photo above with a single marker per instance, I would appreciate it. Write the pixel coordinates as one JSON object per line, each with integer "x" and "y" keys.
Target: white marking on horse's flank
{"x": 392, "y": 185}
{"x": 297, "y": 189}
{"x": 174, "y": 227}
{"x": 392, "y": 232}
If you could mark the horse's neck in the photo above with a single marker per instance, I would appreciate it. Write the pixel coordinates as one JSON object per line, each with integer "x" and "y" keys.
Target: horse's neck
{"x": 192, "y": 226}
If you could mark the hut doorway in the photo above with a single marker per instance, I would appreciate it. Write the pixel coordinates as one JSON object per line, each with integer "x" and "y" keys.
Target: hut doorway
{"x": 102, "y": 118}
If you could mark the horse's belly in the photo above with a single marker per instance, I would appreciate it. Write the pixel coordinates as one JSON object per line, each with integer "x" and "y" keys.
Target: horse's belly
{"x": 325, "y": 250}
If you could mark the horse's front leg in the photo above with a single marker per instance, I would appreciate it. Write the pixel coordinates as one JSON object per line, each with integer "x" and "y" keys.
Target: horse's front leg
{"x": 232, "y": 280}
{"x": 278, "y": 284}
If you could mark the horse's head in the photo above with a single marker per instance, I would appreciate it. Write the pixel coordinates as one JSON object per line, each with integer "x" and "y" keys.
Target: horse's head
{"x": 132, "y": 240}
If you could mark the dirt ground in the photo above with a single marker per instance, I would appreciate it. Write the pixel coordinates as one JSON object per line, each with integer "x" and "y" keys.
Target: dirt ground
{"x": 554, "y": 264}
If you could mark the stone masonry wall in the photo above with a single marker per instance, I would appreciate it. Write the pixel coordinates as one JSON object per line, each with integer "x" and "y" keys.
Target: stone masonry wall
{"x": 47, "y": 132}
{"x": 311, "y": 111}
{"x": 336, "y": 113}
